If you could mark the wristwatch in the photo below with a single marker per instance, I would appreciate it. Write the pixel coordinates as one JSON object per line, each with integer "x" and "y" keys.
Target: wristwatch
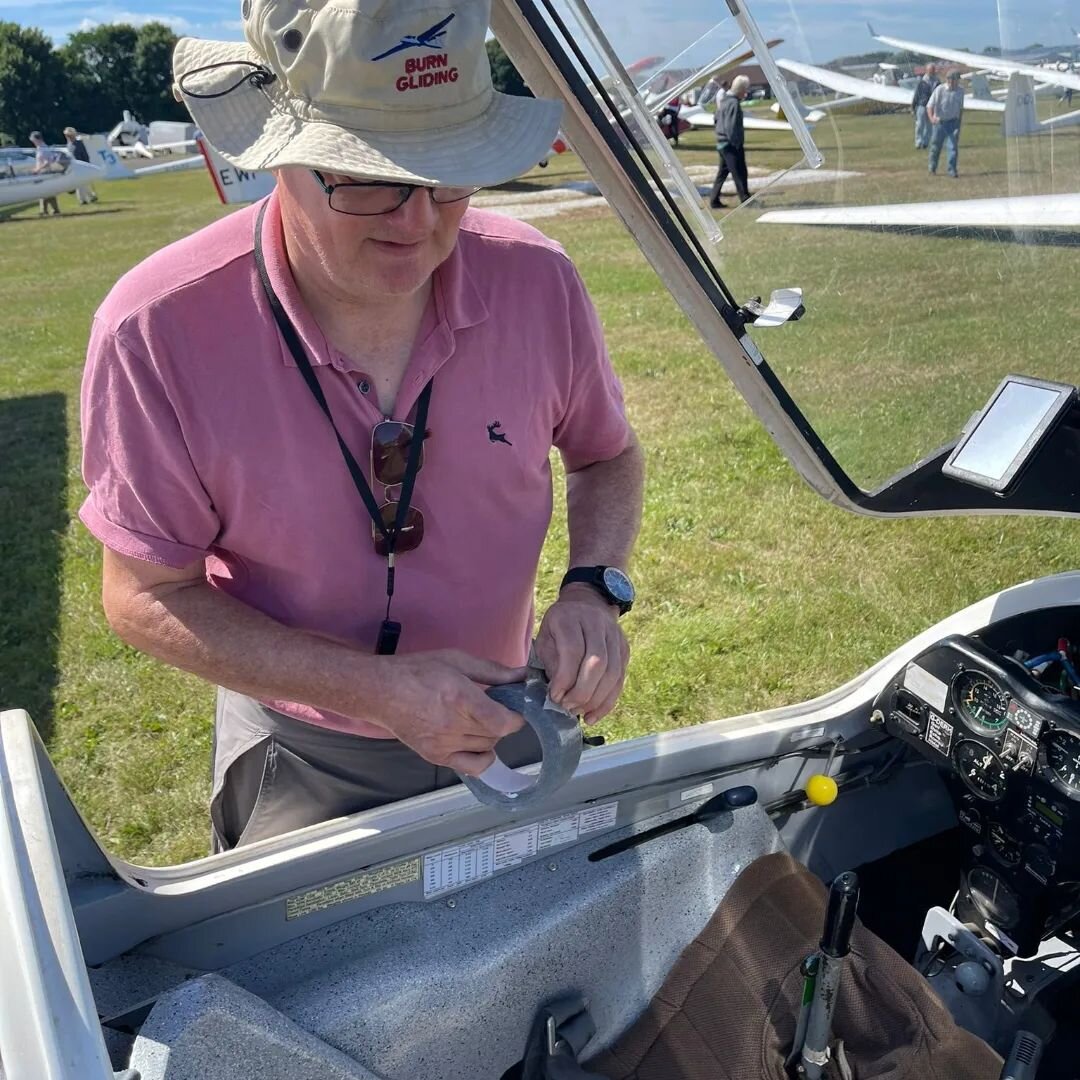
{"x": 609, "y": 581}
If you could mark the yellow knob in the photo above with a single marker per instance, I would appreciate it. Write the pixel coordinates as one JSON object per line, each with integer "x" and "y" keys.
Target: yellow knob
{"x": 821, "y": 790}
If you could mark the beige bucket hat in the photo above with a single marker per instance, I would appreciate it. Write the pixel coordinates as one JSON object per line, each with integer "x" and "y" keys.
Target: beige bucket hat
{"x": 376, "y": 89}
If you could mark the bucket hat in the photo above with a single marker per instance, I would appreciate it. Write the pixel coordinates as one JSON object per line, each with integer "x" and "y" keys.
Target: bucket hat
{"x": 374, "y": 89}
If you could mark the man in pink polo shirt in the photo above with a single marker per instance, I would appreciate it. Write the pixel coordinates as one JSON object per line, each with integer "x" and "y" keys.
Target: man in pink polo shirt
{"x": 317, "y": 433}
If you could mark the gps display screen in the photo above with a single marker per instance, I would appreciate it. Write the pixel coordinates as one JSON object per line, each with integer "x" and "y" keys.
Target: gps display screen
{"x": 1008, "y": 430}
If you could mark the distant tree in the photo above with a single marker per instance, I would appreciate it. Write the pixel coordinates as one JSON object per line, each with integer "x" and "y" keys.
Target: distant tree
{"x": 154, "y": 46}
{"x": 505, "y": 77}
{"x": 902, "y": 58}
{"x": 30, "y": 82}
{"x": 102, "y": 81}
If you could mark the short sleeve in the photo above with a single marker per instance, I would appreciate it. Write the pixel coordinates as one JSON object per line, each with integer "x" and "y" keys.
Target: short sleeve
{"x": 594, "y": 426}
{"x": 146, "y": 499}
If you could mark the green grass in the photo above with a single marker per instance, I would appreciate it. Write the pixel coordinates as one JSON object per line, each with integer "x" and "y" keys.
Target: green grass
{"x": 755, "y": 593}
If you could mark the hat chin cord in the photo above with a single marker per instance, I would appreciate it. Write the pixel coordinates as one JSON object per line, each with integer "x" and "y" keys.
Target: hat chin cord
{"x": 259, "y": 77}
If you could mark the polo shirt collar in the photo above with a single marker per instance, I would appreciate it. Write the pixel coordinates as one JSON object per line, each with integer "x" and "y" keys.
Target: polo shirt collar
{"x": 457, "y": 301}
{"x": 284, "y": 284}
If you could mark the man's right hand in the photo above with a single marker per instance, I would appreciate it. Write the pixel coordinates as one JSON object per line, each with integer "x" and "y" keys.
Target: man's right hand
{"x": 434, "y": 702}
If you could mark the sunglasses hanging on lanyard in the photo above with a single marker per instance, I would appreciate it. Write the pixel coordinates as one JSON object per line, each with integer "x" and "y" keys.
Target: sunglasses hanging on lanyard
{"x": 390, "y": 631}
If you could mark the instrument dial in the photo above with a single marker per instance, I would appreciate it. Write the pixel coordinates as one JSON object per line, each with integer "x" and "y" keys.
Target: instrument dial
{"x": 994, "y": 899}
{"x": 1059, "y": 756}
{"x": 1007, "y": 849}
{"x": 981, "y": 705}
{"x": 981, "y": 770}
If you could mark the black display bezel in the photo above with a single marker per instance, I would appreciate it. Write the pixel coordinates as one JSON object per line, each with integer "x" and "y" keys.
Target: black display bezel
{"x": 1000, "y": 485}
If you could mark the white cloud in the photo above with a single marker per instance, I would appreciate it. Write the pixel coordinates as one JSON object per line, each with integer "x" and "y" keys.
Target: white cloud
{"x": 133, "y": 18}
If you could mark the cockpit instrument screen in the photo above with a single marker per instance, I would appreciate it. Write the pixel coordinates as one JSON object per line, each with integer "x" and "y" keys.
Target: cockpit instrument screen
{"x": 1019, "y": 416}
{"x": 980, "y": 703}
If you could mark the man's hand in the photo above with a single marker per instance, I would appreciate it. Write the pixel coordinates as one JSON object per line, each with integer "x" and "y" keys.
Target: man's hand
{"x": 584, "y": 652}
{"x": 435, "y": 704}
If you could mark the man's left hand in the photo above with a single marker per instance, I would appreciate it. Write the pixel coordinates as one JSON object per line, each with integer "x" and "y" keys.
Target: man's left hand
{"x": 584, "y": 652}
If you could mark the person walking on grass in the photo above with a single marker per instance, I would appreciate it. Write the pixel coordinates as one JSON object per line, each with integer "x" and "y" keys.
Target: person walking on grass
{"x": 944, "y": 109}
{"x": 730, "y": 142}
{"x": 46, "y": 160}
{"x": 923, "y": 89}
{"x": 253, "y": 389}
{"x": 77, "y": 149}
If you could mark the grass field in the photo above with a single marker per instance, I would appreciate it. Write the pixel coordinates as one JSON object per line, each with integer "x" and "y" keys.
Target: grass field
{"x": 754, "y": 592}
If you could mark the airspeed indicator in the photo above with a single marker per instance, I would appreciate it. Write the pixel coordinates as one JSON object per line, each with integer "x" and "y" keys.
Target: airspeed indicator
{"x": 981, "y": 705}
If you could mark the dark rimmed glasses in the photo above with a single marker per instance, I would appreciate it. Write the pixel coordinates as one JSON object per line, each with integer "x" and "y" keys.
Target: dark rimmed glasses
{"x": 368, "y": 198}
{"x": 390, "y": 442}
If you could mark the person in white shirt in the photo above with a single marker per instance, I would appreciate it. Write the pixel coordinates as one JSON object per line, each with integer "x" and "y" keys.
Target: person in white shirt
{"x": 46, "y": 160}
{"x": 944, "y": 110}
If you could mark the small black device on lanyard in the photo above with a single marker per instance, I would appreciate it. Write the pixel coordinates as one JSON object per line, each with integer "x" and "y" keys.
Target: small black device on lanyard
{"x": 390, "y": 631}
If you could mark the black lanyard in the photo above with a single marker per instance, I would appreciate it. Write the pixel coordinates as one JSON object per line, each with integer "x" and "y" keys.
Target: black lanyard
{"x": 390, "y": 631}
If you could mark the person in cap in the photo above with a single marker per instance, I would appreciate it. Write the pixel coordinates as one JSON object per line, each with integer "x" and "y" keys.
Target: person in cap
{"x": 46, "y": 160}
{"x": 77, "y": 149}
{"x": 927, "y": 84}
{"x": 317, "y": 433}
{"x": 945, "y": 109}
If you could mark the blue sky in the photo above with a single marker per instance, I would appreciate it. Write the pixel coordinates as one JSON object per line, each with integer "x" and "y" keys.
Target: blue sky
{"x": 817, "y": 30}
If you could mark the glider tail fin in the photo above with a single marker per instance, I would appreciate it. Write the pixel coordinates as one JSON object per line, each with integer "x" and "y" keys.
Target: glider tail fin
{"x": 102, "y": 154}
{"x": 980, "y": 87}
{"x": 1020, "y": 116}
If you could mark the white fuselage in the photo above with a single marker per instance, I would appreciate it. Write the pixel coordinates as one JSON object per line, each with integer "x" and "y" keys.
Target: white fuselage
{"x": 20, "y": 184}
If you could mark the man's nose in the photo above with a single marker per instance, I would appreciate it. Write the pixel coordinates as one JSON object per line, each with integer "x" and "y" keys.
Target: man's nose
{"x": 417, "y": 214}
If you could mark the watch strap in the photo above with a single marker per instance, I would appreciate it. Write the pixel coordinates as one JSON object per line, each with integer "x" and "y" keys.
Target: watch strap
{"x": 594, "y": 576}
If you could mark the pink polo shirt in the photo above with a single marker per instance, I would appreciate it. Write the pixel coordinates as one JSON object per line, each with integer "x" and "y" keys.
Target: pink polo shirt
{"x": 201, "y": 441}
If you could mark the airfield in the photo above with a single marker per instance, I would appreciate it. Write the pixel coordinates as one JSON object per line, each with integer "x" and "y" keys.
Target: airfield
{"x": 754, "y": 593}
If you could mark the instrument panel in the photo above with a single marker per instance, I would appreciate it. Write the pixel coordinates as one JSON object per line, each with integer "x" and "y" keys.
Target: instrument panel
{"x": 1010, "y": 749}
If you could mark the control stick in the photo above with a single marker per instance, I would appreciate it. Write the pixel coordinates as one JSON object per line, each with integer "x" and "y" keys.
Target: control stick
{"x": 813, "y": 1055}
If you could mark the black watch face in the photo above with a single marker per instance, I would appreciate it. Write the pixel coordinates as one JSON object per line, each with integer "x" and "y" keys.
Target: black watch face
{"x": 618, "y": 584}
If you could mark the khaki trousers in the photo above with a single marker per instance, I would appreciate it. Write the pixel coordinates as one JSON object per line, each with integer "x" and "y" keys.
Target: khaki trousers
{"x": 273, "y": 773}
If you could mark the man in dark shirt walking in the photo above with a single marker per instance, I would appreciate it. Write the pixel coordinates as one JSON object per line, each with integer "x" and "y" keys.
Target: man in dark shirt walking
{"x": 77, "y": 149}
{"x": 729, "y": 142}
{"x": 921, "y": 98}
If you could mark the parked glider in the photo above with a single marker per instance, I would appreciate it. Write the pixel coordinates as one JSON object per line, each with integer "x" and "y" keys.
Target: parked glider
{"x": 233, "y": 185}
{"x": 1050, "y": 75}
{"x": 864, "y": 88}
{"x": 20, "y": 184}
{"x": 1006, "y": 212}
{"x": 697, "y": 116}
{"x": 678, "y": 82}
{"x": 818, "y": 112}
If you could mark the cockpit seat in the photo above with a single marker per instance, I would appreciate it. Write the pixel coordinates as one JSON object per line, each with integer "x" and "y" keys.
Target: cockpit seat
{"x": 728, "y": 1008}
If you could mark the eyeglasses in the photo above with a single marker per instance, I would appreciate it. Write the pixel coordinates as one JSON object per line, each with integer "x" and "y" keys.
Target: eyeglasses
{"x": 368, "y": 198}
{"x": 390, "y": 442}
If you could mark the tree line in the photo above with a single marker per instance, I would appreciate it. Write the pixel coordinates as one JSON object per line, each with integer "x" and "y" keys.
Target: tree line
{"x": 87, "y": 82}
{"x": 97, "y": 73}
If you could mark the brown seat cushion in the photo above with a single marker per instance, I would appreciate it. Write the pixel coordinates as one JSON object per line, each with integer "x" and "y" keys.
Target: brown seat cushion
{"x": 728, "y": 1008}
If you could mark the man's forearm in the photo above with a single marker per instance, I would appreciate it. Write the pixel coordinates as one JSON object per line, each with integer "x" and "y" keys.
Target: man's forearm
{"x": 204, "y": 631}
{"x": 603, "y": 506}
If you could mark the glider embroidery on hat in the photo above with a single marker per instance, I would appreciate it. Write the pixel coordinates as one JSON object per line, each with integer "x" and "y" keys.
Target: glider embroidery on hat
{"x": 376, "y": 89}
